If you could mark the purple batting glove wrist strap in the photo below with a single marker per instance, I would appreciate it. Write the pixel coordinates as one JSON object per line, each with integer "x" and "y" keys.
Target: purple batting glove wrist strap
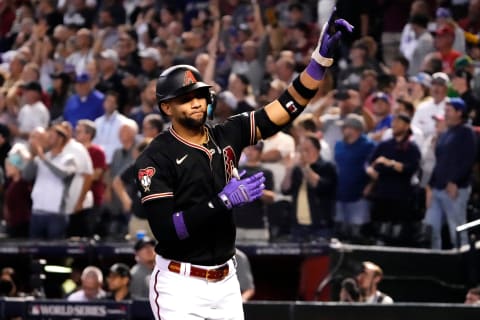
{"x": 315, "y": 70}
{"x": 180, "y": 227}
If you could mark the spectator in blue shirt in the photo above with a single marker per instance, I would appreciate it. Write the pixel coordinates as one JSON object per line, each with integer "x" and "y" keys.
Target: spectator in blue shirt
{"x": 86, "y": 103}
{"x": 383, "y": 115}
{"x": 451, "y": 177}
{"x": 351, "y": 154}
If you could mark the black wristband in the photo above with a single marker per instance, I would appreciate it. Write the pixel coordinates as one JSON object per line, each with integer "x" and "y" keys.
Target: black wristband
{"x": 290, "y": 105}
{"x": 302, "y": 90}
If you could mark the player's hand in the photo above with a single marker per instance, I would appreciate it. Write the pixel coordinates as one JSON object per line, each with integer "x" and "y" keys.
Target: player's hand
{"x": 322, "y": 55}
{"x": 241, "y": 191}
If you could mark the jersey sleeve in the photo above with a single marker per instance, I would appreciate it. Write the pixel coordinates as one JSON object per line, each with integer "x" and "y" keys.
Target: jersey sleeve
{"x": 240, "y": 130}
{"x": 154, "y": 179}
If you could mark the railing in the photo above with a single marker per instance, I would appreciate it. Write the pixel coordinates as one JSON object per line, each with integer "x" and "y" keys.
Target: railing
{"x": 283, "y": 310}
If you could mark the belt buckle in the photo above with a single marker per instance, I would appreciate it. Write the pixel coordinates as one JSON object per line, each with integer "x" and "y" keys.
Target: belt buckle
{"x": 208, "y": 278}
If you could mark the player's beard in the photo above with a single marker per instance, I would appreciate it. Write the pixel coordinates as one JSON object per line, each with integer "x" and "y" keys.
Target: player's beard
{"x": 193, "y": 124}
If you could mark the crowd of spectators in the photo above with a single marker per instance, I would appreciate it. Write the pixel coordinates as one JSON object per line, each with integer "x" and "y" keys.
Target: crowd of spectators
{"x": 378, "y": 156}
{"x": 384, "y": 154}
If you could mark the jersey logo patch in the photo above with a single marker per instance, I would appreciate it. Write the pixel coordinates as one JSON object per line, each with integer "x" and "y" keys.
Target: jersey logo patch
{"x": 291, "y": 107}
{"x": 189, "y": 78}
{"x": 229, "y": 159}
{"x": 179, "y": 161}
{"x": 145, "y": 177}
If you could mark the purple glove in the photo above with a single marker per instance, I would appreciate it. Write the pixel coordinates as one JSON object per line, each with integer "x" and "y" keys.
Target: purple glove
{"x": 239, "y": 192}
{"x": 320, "y": 56}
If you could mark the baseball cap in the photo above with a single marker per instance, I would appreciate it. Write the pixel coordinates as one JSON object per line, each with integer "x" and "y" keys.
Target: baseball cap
{"x": 151, "y": 53}
{"x": 32, "y": 85}
{"x": 445, "y": 30}
{"x": 443, "y": 13}
{"x": 354, "y": 121}
{"x": 381, "y": 96}
{"x": 440, "y": 78}
{"x": 462, "y": 62}
{"x": 229, "y": 99}
{"x": 423, "y": 78}
{"x": 110, "y": 54}
{"x": 82, "y": 77}
{"x": 457, "y": 103}
{"x": 142, "y": 243}
{"x": 60, "y": 130}
{"x": 121, "y": 269}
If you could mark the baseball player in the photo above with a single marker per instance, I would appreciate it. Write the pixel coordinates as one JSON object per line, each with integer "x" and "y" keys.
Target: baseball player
{"x": 188, "y": 183}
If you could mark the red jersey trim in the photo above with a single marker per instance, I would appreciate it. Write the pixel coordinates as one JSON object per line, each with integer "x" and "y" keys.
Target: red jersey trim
{"x": 157, "y": 196}
{"x": 192, "y": 145}
{"x": 252, "y": 128}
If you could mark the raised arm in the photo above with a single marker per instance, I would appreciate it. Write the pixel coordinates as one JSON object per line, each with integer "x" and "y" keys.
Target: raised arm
{"x": 292, "y": 102}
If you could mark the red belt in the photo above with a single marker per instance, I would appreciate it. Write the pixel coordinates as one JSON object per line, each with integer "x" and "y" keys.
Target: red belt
{"x": 213, "y": 275}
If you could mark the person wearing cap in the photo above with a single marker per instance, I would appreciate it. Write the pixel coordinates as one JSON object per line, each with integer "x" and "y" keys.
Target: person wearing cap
{"x": 251, "y": 219}
{"x": 455, "y": 154}
{"x": 141, "y": 271}
{"x": 419, "y": 88}
{"x": 443, "y": 43}
{"x": 118, "y": 282}
{"x": 110, "y": 77}
{"x": 86, "y": 103}
{"x": 151, "y": 61}
{"x": 425, "y": 110}
{"x": 17, "y": 201}
{"x": 226, "y": 106}
{"x": 383, "y": 115}
{"x": 33, "y": 113}
{"x": 52, "y": 171}
{"x": 444, "y": 16}
{"x": 351, "y": 154}
{"x": 391, "y": 168}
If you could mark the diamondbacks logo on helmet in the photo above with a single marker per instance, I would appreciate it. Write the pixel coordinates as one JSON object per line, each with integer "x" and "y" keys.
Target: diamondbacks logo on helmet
{"x": 145, "y": 177}
{"x": 189, "y": 78}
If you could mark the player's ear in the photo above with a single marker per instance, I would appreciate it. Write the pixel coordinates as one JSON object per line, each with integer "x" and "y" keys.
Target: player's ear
{"x": 166, "y": 108}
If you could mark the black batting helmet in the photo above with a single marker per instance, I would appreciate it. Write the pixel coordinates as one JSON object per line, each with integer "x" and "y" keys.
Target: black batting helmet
{"x": 179, "y": 80}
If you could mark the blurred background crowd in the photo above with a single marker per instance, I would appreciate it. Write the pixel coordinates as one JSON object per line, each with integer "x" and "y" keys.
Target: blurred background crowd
{"x": 385, "y": 153}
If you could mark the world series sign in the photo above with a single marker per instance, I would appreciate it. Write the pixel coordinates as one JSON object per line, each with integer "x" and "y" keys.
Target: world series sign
{"x": 70, "y": 310}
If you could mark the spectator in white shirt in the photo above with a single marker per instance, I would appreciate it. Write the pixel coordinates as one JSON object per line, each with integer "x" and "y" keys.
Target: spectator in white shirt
{"x": 92, "y": 281}
{"x": 109, "y": 126}
{"x": 33, "y": 113}
{"x": 436, "y": 107}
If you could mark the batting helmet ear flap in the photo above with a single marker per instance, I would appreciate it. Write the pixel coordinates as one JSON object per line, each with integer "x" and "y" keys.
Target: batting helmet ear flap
{"x": 212, "y": 104}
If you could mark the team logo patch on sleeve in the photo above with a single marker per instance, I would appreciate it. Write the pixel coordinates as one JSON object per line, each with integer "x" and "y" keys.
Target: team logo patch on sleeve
{"x": 145, "y": 177}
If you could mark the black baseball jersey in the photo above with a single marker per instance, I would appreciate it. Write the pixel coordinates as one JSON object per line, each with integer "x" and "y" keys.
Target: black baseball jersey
{"x": 175, "y": 175}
